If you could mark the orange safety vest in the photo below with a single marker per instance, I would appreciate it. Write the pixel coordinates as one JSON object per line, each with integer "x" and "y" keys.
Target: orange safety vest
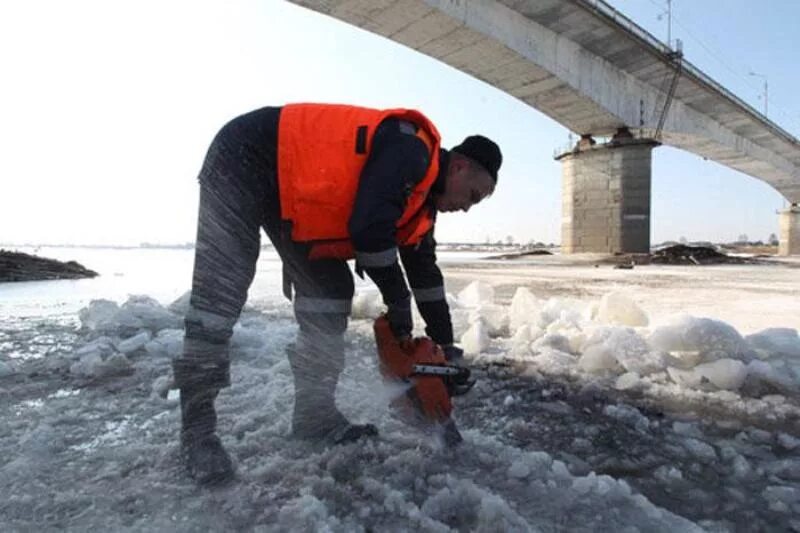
{"x": 322, "y": 149}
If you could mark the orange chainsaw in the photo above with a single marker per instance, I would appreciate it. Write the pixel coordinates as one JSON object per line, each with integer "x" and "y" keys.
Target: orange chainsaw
{"x": 420, "y": 362}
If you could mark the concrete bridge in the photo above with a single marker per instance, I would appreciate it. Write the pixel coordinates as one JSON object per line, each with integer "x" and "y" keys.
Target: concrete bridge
{"x": 593, "y": 70}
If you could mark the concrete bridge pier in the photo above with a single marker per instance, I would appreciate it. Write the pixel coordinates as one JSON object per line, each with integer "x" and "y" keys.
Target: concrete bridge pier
{"x": 789, "y": 231}
{"x": 606, "y": 195}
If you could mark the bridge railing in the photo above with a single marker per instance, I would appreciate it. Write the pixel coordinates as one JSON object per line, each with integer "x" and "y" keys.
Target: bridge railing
{"x": 609, "y": 11}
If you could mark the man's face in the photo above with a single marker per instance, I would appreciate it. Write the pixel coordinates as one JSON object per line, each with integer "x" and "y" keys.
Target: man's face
{"x": 466, "y": 184}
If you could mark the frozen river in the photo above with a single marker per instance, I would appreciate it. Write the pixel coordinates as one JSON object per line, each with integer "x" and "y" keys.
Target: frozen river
{"x": 652, "y": 399}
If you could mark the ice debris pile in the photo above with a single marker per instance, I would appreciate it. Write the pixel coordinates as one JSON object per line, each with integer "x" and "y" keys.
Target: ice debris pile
{"x": 614, "y": 338}
{"x": 116, "y": 333}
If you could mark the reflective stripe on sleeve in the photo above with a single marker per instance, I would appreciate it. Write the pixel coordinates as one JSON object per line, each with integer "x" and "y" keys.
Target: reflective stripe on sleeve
{"x": 377, "y": 259}
{"x": 432, "y": 294}
{"x": 322, "y": 305}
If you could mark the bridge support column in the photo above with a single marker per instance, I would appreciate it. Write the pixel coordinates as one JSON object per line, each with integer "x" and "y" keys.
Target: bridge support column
{"x": 790, "y": 231}
{"x": 606, "y": 195}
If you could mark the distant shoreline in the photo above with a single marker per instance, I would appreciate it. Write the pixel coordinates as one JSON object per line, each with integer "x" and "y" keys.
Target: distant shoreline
{"x": 18, "y": 266}
{"x": 442, "y": 246}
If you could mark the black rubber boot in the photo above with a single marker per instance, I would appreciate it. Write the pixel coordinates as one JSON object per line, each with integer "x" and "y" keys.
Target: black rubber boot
{"x": 205, "y": 458}
{"x": 316, "y": 365}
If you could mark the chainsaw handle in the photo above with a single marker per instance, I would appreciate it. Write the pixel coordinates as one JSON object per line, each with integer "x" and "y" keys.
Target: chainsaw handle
{"x": 407, "y": 344}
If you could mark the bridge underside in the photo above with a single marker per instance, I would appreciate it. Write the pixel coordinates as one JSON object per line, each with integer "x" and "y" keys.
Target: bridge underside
{"x": 588, "y": 68}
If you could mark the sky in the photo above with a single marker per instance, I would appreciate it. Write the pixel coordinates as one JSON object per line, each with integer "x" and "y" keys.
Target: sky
{"x": 107, "y": 110}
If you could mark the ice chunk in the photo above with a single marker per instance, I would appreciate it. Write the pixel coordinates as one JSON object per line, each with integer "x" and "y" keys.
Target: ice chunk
{"x": 684, "y": 378}
{"x": 116, "y": 365}
{"x": 168, "y": 343}
{"x": 669, "y": 475}
{"x": 150, "y": 313}
{"x": 727, "y": 374}
{"x": 523, "y": 308}
{"x": 782, "y": 342}
{"x": 711, "y": 339}
{"x": 89, "y": 365}
{"x": 628, "y": 415}
{"x": 103, "y": 346}
{"x": 476, "y": 294}
{"x": 700, "y": 450}
{"x": 181, "y": 306}
{"x": 785, "y": 495}
{"x": 452, "y": 301}
{"x": 554, "y": 361}
{"x": 92, "y": 365}
{"x": 134, "y": 343}
{"x": 246, "y": 336}
{"x": 161, "y": 386}
{"x": 519, "y": 469}
{"x": 139, "y": 312}
{"x": 6, "y": 369}
{"x": 553, "y": 341}
{"x": 761, "y": 373}
{"x": 628, "y": 380}
{"x": 617, "y": 308}
{"x": 495, "y": 316}
{"x": 567, "y": 324}
{"x": 598, "y": 359}
{"x": 788, "y": 468}
{"x": 787, "y": 441}
{"x": 682, "y": 360}
{"x": 632, "y": 352}
{"x": 100, "y": 316}
{"x": 568, "y": 311}
{"x": 521, "y": 342}
{"x": 476, "y": 339}
{"x": 367, "y": 304}
{"x": 460, "y": 320}
{"x": 687, "y": 429}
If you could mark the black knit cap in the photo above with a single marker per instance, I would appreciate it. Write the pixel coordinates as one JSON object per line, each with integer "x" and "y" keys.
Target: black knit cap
{"x": 483, "y": 151}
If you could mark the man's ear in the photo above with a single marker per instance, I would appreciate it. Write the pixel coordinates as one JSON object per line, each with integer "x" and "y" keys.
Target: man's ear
{"x": 458, "y": 164}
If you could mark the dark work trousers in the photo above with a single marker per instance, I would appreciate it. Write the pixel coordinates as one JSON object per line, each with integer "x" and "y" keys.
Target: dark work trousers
{"x": 238, "y": 197}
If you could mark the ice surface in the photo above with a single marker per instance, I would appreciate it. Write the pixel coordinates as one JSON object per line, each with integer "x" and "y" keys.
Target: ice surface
{"x": 569, "y": 428}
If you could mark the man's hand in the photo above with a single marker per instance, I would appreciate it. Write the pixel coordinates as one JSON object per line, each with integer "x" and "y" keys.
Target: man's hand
{"x": 453, "y": 354}
{"x": 400, "y": 320}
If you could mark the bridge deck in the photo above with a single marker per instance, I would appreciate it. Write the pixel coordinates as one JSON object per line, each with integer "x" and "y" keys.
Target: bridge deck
{"x": 589, "y": 68}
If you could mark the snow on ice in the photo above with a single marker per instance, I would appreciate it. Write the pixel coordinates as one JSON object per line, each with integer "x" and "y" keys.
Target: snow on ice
{"x": 587, "y": 416}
